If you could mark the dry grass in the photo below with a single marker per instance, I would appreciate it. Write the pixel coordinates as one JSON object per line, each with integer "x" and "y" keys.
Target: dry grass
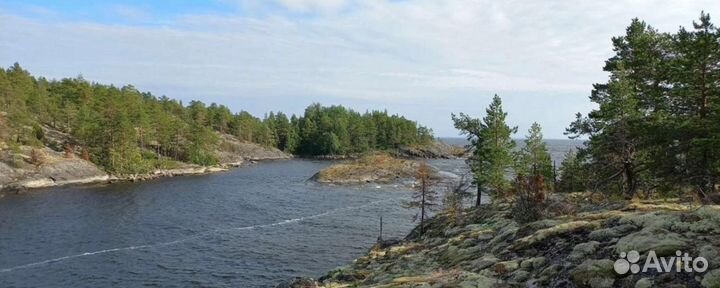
{"x": 379, "y": 167}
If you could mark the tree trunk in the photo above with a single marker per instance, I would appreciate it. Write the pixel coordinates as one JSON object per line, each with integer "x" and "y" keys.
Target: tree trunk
{"x": 422, "y": 209}
{"x": 629, "y": 179}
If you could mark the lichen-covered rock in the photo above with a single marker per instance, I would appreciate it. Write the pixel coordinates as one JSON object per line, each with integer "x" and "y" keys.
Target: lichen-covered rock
{"x": 711, "y": 279}
{"x": 478, "y": 281}
{"x": 594, "y": 273}
{"x": 519, "y": 276}
{"x": 605, "y": 234}
{"x": 455, "y": 255}
{"x": 663, "y": 242}
{"x": 483, "y": 262}
{"x": 506, "y": 266}
{"x": 712, "y": 254}
{"x": 601, "y": 282}
{"x": 560, "y": 229}
{"x": 550, "y": 271}
{"x": 538, "y": 262}
{"x": 709, "y": 220}
{"x": 503, "y": 238}
{"x": 580, "y": 251}
{"x": 298, "y": 282}
{"x": 491, "y": 250}
{"x": 644, "y": 283}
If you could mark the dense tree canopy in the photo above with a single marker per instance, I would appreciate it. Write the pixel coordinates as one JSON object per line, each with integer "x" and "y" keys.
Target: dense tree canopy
{"x": 336, "y": 130}
{"x": 657, "y": 125}
{"x": 127, "y": 131}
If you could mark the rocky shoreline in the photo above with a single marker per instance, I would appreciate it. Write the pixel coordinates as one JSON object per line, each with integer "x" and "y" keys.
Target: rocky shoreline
{"x": 61, "y": 170}
{"x": 575, "y": 246}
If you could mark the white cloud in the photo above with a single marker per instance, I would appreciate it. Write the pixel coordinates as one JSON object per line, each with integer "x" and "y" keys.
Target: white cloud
{"x": 313, "y": 5}
{"x": 421, "y": 58}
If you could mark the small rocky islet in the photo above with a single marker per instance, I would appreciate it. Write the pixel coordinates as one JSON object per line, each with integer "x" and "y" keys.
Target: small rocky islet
{"x": 373, "y": 168}
{"x": 575, "y": 245}
{"x": 385, "y": 167}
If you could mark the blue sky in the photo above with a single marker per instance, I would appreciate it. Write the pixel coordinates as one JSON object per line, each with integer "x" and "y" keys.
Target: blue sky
{"x": 109, "y": 12}
{"x": 423, "y": 59}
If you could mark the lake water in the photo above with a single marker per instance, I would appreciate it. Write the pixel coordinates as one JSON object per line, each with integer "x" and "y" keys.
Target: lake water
{"x": 557, "y": 147}
{"x": 250, "y": 227}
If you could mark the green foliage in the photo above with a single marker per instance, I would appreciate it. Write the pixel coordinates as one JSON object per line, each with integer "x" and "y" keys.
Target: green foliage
{"x": 573, "y": 175}
{"x": 657, "y": 122}
{"x": 534, "y": 158}
{"x": 129, "y": 132}
{"x": 336, "y": 130}
{"x": 498, "y": 147}
{"x": 38, "y": 132}
{"x": 473, "y": 129}
{"x": 491, "y": 143}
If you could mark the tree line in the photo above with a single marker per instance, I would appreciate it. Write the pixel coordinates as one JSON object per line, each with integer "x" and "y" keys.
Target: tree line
{"x": 656, "y": 128}
{"x": 127, "y": 131}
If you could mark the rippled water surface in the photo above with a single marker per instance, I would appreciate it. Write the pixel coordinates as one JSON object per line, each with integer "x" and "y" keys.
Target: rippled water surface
{"x": 249, "y": 227}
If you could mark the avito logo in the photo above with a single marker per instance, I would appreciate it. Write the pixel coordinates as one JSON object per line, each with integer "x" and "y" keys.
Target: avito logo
{"x": 681, "y": 262}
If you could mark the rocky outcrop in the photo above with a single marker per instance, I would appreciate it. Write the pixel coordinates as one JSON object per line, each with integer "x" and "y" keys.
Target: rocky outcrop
{"x": 232, "y": 151}
{"x": 17, "y": 173}
{"x": 161, "y": 173}
{"x": 486, "y": 248}
{"x": 72, "y": 171}
{"x": 375, "y": 168}
{"x": 434, "y": 149}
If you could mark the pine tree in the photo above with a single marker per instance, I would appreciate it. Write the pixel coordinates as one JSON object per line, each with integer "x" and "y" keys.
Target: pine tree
{"x": 615, "y": 138}
{"x": 473, "y": 129}
{"x": 573, "y": 176}
{"x": 534, "y": 157}
{"x": 491, "y": 146}
{"x": 695, "y": 78}
{"x": 499, "y": 146}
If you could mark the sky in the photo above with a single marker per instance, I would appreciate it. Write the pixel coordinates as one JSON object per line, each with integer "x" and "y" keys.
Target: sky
{"x": 421, "y": 59}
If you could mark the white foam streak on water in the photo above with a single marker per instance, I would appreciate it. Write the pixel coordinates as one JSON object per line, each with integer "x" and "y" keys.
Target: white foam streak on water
{"x": 199, "y": 235}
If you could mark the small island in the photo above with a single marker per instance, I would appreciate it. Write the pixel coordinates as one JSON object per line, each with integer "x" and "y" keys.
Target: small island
{"x": 373, "y": 168}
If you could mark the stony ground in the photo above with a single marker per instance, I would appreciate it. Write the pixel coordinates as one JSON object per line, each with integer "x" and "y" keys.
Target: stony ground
{"x": 575, "y": 246}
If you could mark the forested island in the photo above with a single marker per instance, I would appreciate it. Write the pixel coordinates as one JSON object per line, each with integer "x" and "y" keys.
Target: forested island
{"x": 646, "y": 182}
{"x": 127, "y": 132}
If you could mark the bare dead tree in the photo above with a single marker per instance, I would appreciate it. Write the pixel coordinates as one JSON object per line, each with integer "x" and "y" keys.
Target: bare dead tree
{"x": 425, "y": 197}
